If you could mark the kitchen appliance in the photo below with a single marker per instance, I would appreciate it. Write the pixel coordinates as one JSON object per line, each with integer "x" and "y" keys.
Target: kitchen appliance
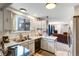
{"x": 18, "y": 50}
{"x": 37, "y": 44}
{"x": 5, "y": 39}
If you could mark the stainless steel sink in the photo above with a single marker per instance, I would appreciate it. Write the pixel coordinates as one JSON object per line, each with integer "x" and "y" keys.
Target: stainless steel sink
{"x": 20, "y": 40}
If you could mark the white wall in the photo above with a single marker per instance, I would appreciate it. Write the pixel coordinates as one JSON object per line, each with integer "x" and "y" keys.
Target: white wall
{"x": 60, "y": 26}
{"x": 64, "y": 15}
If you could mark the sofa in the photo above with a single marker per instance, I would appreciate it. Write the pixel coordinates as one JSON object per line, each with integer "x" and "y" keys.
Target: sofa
{"x": 63, "y": 38}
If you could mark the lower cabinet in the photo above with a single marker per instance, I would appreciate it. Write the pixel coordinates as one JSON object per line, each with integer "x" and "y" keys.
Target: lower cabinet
{"x": 44, "y": 44}
{"x": 51, "y": 47}
{"x": 30, "y": 45}
{"x": 48, "y": 45}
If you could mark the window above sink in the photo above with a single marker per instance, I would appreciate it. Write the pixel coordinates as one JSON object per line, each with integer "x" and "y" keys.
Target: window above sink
{"x": 22, "y": 23}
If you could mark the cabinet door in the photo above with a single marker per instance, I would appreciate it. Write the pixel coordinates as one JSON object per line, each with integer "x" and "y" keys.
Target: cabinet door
{"x": 32, "y": 47}
{"x": 7, "y": 20}
{"x": 51, "y": 45}
{"x": 44, "y": 44}
{"x": 1, "y": 21}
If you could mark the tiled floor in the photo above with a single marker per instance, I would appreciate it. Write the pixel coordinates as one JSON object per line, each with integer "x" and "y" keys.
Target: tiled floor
{"x": 43, "y": 53}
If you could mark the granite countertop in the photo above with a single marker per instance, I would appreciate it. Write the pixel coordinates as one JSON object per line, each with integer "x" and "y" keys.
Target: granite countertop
{"x": 50, "y": 37}
{"x": 12, "y": 42}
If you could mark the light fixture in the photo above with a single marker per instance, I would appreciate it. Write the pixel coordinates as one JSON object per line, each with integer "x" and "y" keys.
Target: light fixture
{"x": 23, "y": 10}
{"x": 50, "y": 5}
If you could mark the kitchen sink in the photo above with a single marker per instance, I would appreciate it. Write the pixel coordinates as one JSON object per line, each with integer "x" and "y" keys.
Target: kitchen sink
{"x": 22, "y": 40}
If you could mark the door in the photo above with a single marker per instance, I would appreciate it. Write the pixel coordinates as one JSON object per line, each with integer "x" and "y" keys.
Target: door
{"x": 76, "y": 35}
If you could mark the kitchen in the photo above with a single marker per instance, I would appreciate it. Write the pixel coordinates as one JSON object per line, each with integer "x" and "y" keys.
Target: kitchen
{"x": 26, "y": 34}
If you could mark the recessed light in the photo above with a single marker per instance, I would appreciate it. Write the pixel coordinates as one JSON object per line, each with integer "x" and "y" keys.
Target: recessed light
{"x": 23, "y": 10}
{"x": 50, "y": 5}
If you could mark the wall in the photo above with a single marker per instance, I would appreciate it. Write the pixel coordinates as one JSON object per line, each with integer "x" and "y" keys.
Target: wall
{"x": 60, "y": 26}
{"x": 65, "y": 15}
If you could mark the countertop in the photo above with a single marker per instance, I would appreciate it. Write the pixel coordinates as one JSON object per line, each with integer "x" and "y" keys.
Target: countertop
{"x": 50, "y": 37}
{"x": 12, "y": 42}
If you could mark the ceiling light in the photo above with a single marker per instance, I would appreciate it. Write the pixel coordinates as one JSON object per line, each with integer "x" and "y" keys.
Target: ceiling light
{"x": 23, "y": 10}
{"x": 50, "y": 5}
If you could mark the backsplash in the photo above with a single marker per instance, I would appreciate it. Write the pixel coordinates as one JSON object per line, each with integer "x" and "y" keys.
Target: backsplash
{"x": 30, "y": 33}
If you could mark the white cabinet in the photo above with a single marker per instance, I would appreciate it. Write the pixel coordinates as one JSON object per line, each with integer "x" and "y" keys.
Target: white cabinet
{"x": 44, "y": 44}
{"x": 38, "y": 24}
{"x": 32, "y": 47}
{"x": 1, "y": 21}
{"x": 48, "y": 44}
{"x": 51, "y": 47}
{"x": 7, "y": 20}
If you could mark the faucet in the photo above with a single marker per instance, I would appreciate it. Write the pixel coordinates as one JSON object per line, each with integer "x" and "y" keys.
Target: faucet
{"x": 20, "y": 35}
{"x": 28, "y": 37}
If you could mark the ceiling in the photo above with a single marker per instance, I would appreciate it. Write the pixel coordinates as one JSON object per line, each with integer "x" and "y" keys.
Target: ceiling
{"x": 4, "y": 5}
{"x": 62, "y": 10}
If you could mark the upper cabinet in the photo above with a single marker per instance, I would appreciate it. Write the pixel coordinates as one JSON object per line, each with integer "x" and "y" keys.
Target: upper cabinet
{"x": 16, "y": 22}
{"x": 1, "y": 21}
{"x": 7, "y": 21}
{"x": 39, "y": 25}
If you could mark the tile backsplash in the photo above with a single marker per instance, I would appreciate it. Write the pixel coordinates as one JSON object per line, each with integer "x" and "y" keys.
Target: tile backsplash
{"x": 30, "y": 33}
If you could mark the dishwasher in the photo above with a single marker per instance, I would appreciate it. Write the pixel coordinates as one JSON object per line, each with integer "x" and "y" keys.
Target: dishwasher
{"x": 37, "y": 44}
